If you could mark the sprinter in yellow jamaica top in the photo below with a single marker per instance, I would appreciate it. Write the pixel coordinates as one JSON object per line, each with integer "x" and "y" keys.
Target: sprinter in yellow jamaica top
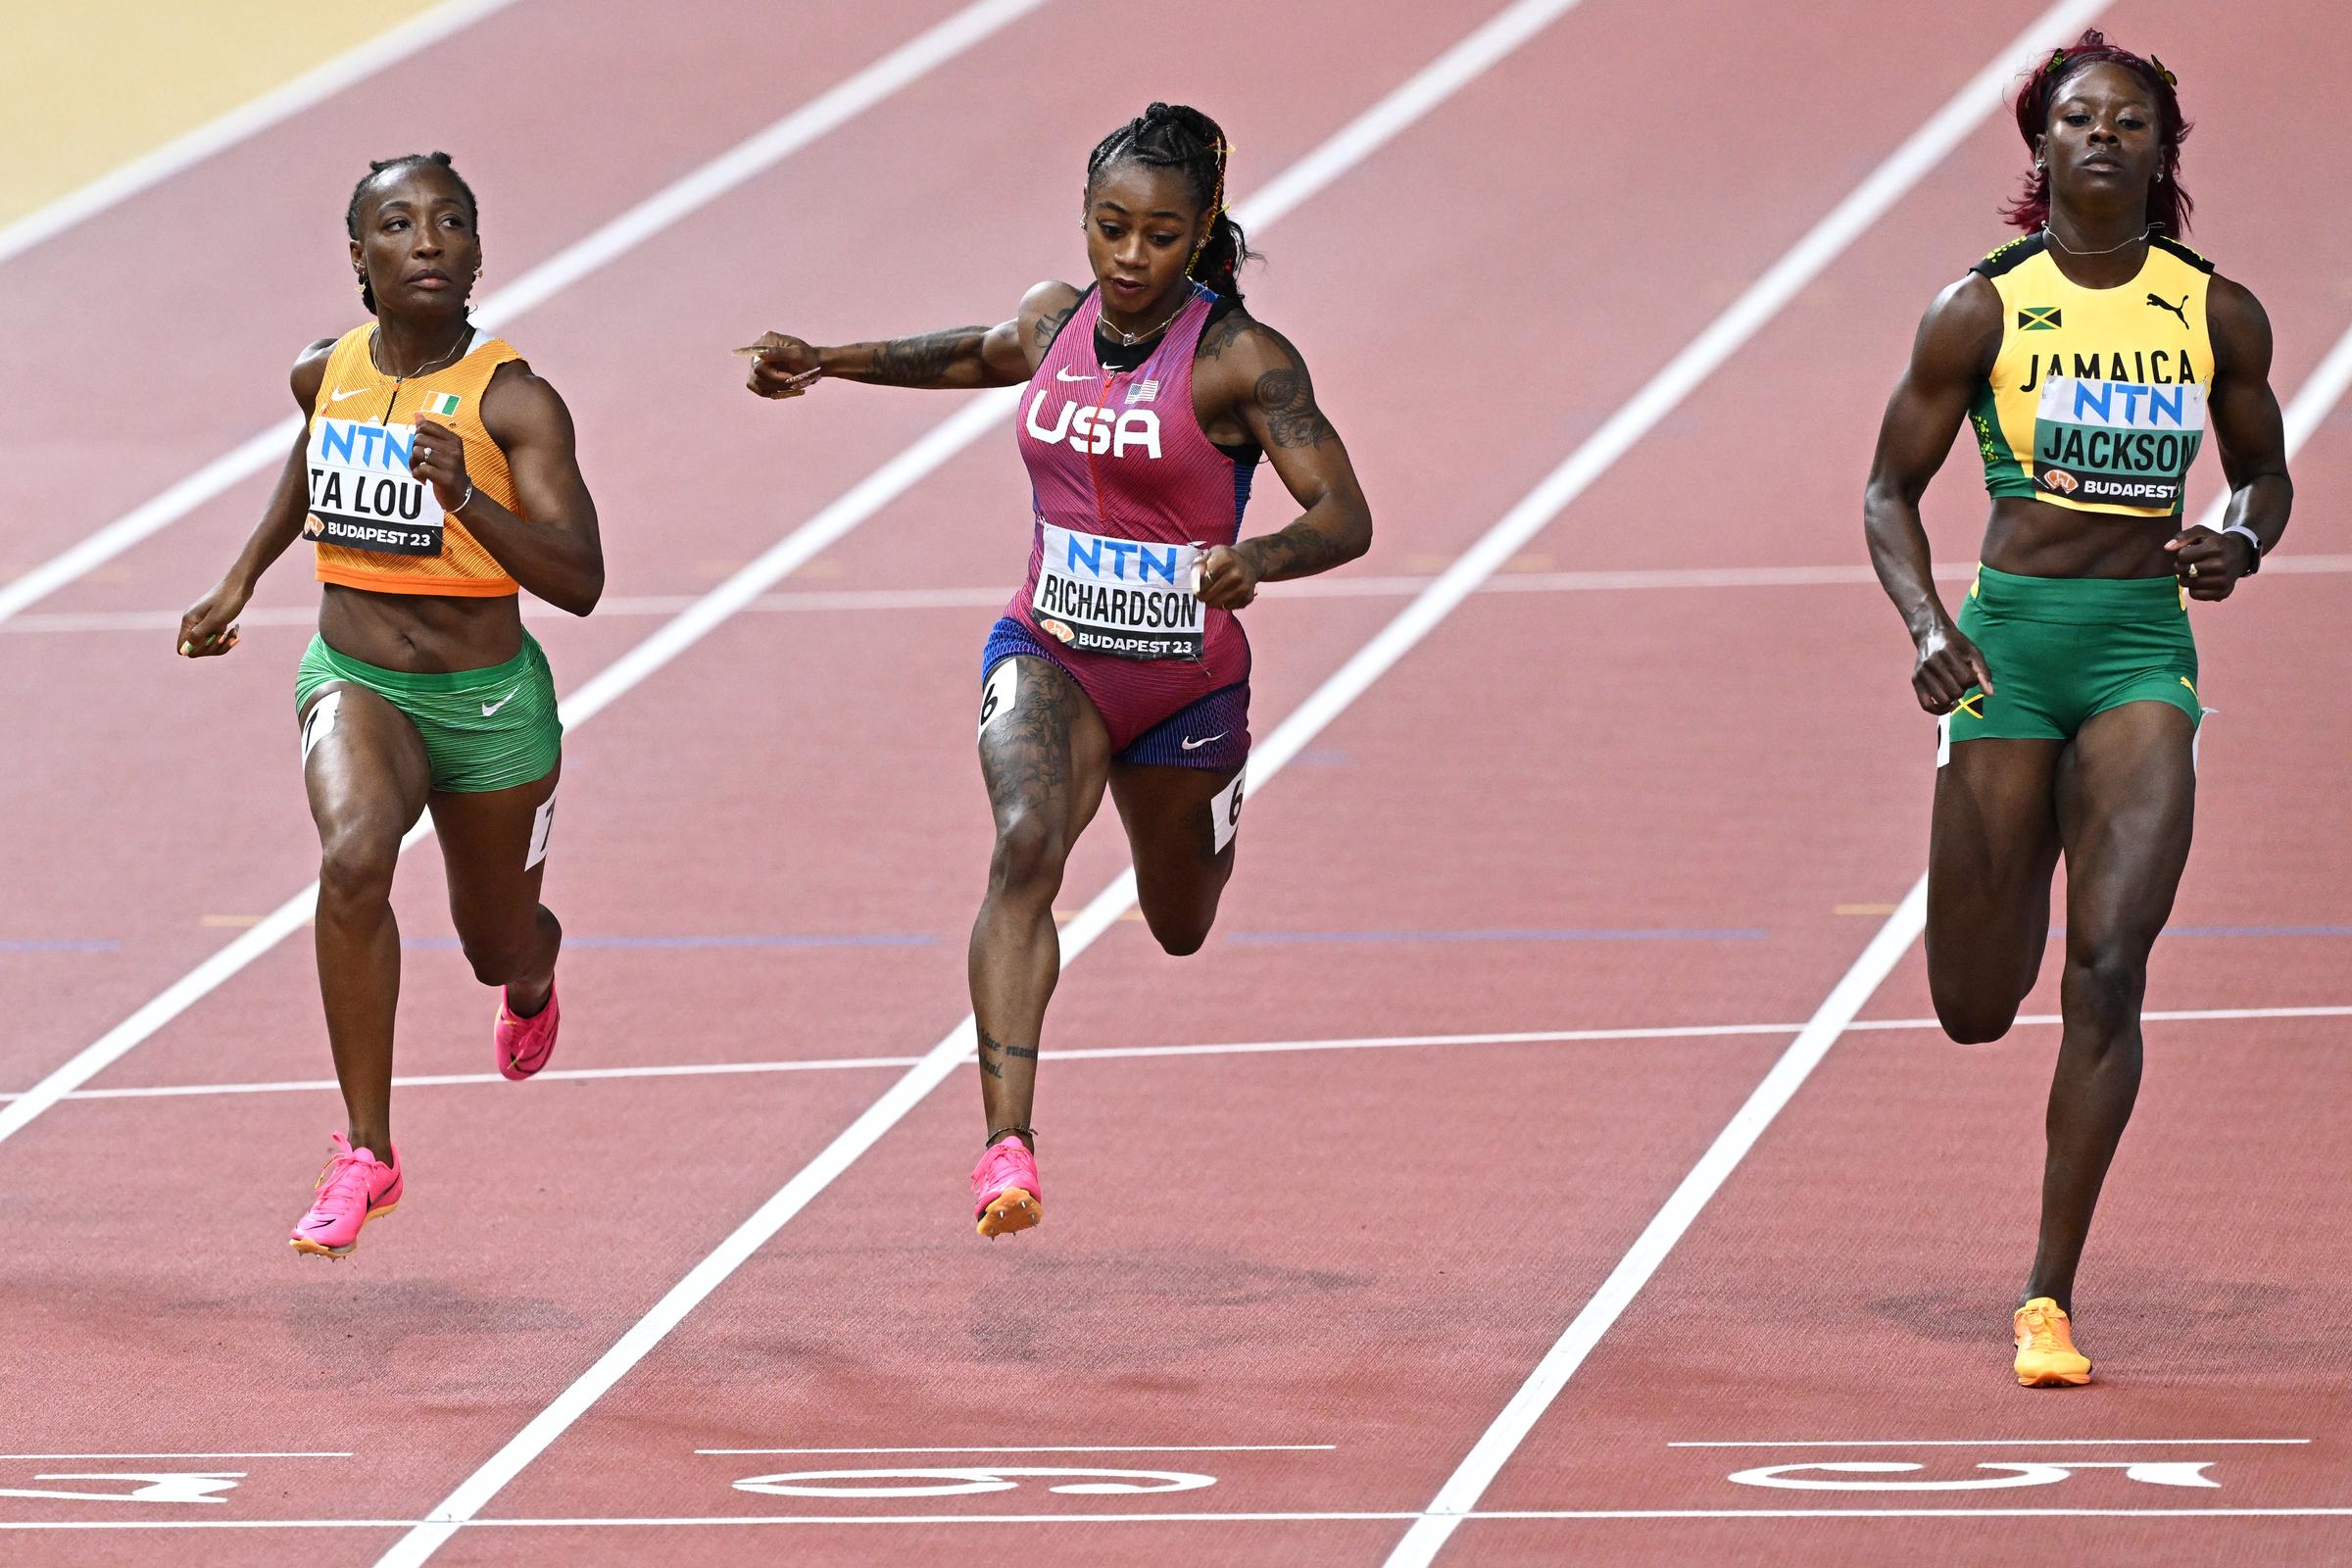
{"x": 436, "y": 476}
{"x": 2090, "y": 359}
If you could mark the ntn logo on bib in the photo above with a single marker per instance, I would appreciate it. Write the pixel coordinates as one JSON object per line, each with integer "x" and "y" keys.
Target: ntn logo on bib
{"x": 1126, "y": 597}
{"x": 2117, "y": 441}
{"x": 362, "y": 494}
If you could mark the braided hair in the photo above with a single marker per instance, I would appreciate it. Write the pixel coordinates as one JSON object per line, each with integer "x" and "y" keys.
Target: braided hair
{"x": 1181, "y": 138}
{"x": 2169, "y": 205}
{"x": 351, "y": 213}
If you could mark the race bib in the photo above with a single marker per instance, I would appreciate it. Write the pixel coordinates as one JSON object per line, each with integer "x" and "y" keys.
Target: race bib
{"x": 2122, "y": 442}
{"x": 363, "y": 496}
{"x": 1125, "y": 597}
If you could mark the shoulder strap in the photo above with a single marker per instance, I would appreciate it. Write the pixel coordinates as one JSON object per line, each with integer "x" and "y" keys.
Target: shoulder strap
{"x": 2180, "y": 252}
{"x": 2008, "y": 258}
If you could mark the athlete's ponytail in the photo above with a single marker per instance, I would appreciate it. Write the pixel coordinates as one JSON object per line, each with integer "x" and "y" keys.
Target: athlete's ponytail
{"x": 1179, "y": 136}
{"x": 351, "y": 213}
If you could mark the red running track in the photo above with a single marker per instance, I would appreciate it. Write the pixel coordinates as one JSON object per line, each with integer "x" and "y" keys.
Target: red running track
{"x": 1470, "y": 850}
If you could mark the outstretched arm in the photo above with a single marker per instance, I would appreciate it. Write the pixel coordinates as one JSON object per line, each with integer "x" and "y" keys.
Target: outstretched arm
{"x": 1954, "y": 351}
{"x": 2243, "y": 411}
{"x": 962, "y": 357}
{"x": 208, "y": 627}
{"x": 1274, "y": 398}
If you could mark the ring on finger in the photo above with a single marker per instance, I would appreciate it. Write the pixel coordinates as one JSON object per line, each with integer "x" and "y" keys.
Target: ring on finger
{"x": 426, "y": 455}
{"x": 2193, "y": 568}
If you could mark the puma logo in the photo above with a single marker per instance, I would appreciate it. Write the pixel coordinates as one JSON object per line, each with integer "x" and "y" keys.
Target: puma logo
{"x": 2180, "y": 310}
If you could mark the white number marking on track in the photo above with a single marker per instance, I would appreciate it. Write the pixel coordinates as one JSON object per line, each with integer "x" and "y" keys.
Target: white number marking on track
{"x": 964, "y": 1482}
{"x": 1849, "y": 1475}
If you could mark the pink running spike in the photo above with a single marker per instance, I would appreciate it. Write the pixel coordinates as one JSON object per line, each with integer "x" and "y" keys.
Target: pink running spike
{"x": 523, "y": 1045}
{"x": 354, "y": 1188}
{"x": 1005, "y": 1195}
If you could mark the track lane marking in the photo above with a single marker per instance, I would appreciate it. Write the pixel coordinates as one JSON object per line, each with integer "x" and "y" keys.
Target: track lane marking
{"x": 844, "y": 101}
{"x": 1333, "y": 1516}
{"x": 1241, "y": 1047}
{"x": 868, "y": 600}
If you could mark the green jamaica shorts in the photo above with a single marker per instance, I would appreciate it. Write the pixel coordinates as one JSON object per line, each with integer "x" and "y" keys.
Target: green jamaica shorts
{"x": 2063, "y": 649}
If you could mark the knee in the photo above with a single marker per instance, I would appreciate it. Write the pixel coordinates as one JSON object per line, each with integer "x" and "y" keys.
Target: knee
{"x": 1180, "y": 938}
{"x": 1972, "y": 1023}
{"x": 355, "y": 865}
{"x": 1028, "y": 858}
{"x": 2104, "y": 982}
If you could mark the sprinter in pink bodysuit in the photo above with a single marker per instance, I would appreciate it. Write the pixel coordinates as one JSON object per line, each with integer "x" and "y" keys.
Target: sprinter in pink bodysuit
{"x": 1151, "y": 397}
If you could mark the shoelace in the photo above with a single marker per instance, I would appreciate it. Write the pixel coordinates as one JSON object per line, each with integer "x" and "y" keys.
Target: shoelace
{"x": 342, "y": 1172}
{"x": 2040, "y": 1335}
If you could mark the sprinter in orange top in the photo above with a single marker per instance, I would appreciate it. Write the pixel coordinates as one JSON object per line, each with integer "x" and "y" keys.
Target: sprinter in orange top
{"x": 436, "y": 475}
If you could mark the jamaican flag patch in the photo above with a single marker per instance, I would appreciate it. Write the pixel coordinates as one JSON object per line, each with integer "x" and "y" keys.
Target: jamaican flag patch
{"x": 2039, "y": 318}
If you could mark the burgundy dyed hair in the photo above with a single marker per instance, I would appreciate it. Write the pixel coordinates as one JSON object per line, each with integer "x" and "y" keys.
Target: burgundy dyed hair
{"x": 2169, "y": 205}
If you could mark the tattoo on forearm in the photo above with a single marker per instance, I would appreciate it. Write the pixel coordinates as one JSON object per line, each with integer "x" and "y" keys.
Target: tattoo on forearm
{"x": 990, "y": 1045}
{"x": 918, "y": 361}
{"x": 1299, "y": 551}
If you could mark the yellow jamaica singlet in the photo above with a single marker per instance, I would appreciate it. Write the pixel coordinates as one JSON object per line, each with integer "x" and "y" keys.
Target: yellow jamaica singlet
{"x": 2097, "y": 398}
{"x": 377, "y": 526}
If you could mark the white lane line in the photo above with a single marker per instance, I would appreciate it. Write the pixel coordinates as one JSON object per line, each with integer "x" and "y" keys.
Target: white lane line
{"x": 2006, "y": 1443}
{"x": 2311, "y": 404}
{"x": 313, "y": 87}
{"x": 302, "y": 1454}
{"x": 1334, "y": 1516}
{"x": 837, "y": 104}
{"x": 1086, "y": 1448}
{"x": 867, "y": 601}
{"x": 1425, "y": 90}
{"x": 706, "y": 184}
{"x": 1239, "y": 1048}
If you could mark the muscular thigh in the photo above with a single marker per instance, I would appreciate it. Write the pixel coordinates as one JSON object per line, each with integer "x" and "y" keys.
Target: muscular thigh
{"x": 495, "y": 845}
{"x": 2126, "y": 803}
{"x": 1043, "y": 750}
{"x": 364, "y": 764}
{"x": 1993, "y": 844}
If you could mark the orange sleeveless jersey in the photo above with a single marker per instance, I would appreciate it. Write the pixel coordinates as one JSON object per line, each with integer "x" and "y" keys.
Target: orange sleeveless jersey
{"x": 375, "y": 527}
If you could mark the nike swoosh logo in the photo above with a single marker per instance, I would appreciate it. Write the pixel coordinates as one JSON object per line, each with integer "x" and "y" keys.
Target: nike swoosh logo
{"x": 489, "y": 708}
{"x": 1066, "y": 376}
{"x": 1192, "y": 744}
{"x": 339, "y": 395}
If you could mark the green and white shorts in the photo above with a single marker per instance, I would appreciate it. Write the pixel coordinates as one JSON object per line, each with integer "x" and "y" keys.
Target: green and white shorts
{"x": 484, "y": 730}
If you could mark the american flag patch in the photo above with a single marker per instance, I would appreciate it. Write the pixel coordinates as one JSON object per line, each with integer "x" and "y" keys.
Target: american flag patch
{"x": 1144, "y": 392}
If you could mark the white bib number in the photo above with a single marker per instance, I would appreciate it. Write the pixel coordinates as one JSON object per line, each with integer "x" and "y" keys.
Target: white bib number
{"x": 1125, "y": 597}
{"x": 363, "y": 496}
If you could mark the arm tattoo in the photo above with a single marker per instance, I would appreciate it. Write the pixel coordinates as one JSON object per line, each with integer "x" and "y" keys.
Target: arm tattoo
{"x": 1048, "y": 328}
{"x": 1287, "y": 398}
{"x": 1222, "y": 334}
{"x": 919, "y": 360}
{"x": 1299, "y": 551}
